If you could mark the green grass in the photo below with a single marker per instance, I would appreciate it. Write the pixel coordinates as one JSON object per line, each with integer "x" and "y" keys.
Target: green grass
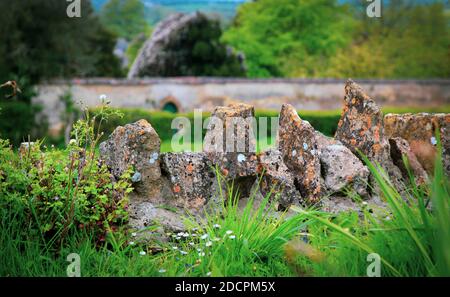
{"x": 411, "y": 236}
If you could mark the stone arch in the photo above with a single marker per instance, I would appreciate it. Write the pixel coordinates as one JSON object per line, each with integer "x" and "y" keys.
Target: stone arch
{"x": 170, "y": 104}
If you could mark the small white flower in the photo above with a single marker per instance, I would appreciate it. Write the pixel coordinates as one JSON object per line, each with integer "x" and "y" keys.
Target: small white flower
{"x": 178, "y": 238}
{"x": 216, "y": 239}
{"x": 131, "y": 243}
{"x": 208, "y": 243}
{"x": 186, "y": 234}
{"x": 133, "y": 234}
{"x": 142, "y": 253}
{"x": 72, "y": 142}
{"x": 232, "y": 237}
{"x": 191, "y": 243}
{"x": 204, "y": 236}
{"x": 162, "y": 271}
{"x": 194, "y": 229}
{"x": 229, "y": 232}
{"x": 388, "y": 218}
{"x": 175, "y": 248}
{"x": 183, "y": 252}
{"x": 199, "y": 250}
{"x": 103, "y": 97}
{"x": 201, "y": 254}
{"x": 364, "y": 203}
{"x": 216, "y": 226}
{"x": 194, "y": 235}
{"x": 208, "y": 274}
{"x": 180, "y": 233}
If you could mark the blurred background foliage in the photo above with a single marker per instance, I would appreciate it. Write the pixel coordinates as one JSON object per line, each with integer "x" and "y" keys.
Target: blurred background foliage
{"x": 279, "y": 38}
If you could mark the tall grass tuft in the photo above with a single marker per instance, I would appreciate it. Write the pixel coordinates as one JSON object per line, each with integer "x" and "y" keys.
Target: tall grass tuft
{"x": 412, "y": 236}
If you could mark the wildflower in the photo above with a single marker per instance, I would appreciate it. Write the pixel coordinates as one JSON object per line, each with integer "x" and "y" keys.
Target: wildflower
{"x": 232, "y": 237}
{"x": 199, "y": 250}
{"x": 186, "y": 234}
{"x": 178, "y": 238}
{"x": 56, "y": 198}
{"x": 229, "y": 232}
{"x": 208, "y": 243}
{"x": 103, "y": 97}
{"x": 204, "y": 236}
{"x": 72, "y": 142}
{"x": 183, "y": 252}
{"x": 142, "y": 253}
{"x": 201, "y": 254}
{"x": 216, "y": 226}
{"x": 175, "y": 248}
{"x": 194, "y": 229}
{"x": 208, "y": 274}
{"x": 191, "y": 243}
{"x": 162, "y": 271}
{"x": 216, "y": 239}
{"x": 364, "y": 203}
{"x": 131, "y": 243}
{"x": 133, "y": 234}
{"x": 180, "y": 234}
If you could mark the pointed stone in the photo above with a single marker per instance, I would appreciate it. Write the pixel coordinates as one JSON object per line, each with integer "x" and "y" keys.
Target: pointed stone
{"x": 361, "y": 129}
{"x": 298, "y": 146}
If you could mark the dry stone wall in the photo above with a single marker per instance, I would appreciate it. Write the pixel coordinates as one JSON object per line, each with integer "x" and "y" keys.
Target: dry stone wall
{"x": 305, "y": 168}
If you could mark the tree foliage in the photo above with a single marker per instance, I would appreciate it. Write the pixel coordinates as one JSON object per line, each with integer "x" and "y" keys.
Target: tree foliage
{"x": 39, "y": 41}
{"x": 322, "y": 38}
{"x": 126, "y": 18}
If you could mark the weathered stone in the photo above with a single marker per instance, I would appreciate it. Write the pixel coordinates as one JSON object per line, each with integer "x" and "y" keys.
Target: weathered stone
{"x": 191, "y": 178}
{"x": 230, "y": 145}
{"x": 361, "y": 129}
{"x": 419, "y": 131}
{"x": 400, "y": 148}
{"x": 145, "y": 214}
{"x": 297, "y": 144}
{"x": 277, "y": 181}
{"x": 341, "y": 169}
{"x": 231, "y": 129}
{"x": 137, "y": 146}
{"x": 236, "y": 168}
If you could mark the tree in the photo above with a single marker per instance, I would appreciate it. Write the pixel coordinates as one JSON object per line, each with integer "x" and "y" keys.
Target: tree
{"x": 290, "y": 37}
{"x": 39, "y": 41}
{"x": 126, "y": 18}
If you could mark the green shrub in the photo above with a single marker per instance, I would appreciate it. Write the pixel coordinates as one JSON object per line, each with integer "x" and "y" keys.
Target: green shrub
{"x": 57, "y": 192}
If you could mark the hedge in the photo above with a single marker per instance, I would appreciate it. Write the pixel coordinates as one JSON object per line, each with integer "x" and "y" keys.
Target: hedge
{"x": 323, "y": 121}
